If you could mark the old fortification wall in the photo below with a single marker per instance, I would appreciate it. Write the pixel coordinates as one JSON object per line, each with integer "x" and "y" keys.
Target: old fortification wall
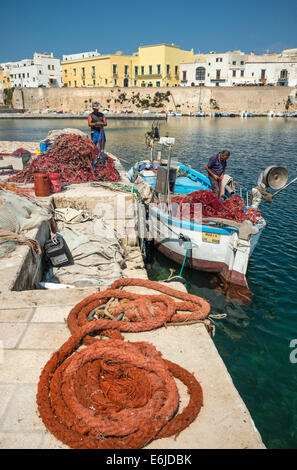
{"x": 183, "y": 99}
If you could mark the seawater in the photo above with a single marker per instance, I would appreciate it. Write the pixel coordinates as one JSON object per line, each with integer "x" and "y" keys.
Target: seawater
{"x": 253, "y": 340}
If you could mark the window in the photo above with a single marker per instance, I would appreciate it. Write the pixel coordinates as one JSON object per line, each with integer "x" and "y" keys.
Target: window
{"x": 74, "y": 72}
{"x": 75, "y": 83}
{"x": 242, "y": 73}
{"x": 263, "y": 72}
{"x": 176, "y": 69}
{"x": 65, "y": 71}
{"x": 39, "y": 72}
{"x": 135, "y": 82}
{"x": 106, "y": 81}
{"x": 27, "y": 75}
{"x": 158, "y": 69}
{"x": 136, "y": 70}
{"x": 284, "y": 74}
{"x": 158, "y": 83}
{"x": 83, "y": 73}
{"x": 53, "y": 67}
{"x": 184, "y": 76}
{"x": 114, "y": 69}
{"x": 234, "y": 62}
{"x": 242, "y": 62}
{"x": 94, "y": 82}
{"x": 142, "y": 70}
{"x": 49, "y": 67}
{"x": 200, "y": 73}
{"x": 218, "y": 74}
{"x": 84, "y": 82}
{"x": 233, "y": 73}
{"x": 150, "y": 84}
{"x": 126, "y": 68}
{"x": 69, "y": 83}
{"x": 150, "y": 69}
{"x": 115, "y": 81}
{"x": 167, "y": 69}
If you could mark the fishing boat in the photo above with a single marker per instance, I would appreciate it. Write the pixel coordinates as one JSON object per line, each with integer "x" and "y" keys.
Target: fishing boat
{"x": 212, "y": 244}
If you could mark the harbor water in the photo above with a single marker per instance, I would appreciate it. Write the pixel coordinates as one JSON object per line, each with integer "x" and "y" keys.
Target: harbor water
{"x": 256, "y": 340}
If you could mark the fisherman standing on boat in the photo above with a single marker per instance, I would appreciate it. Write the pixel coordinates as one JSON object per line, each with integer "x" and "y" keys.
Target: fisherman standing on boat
{"x": 216, "y": 168}
{"x": 97, "y": 122}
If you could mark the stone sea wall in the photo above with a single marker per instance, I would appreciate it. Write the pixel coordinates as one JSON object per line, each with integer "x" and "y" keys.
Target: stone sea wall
{"x": 252, "y": 99}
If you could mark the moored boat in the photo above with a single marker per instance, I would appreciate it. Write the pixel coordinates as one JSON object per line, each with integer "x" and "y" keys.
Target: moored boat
{"x": 211, "y": 241}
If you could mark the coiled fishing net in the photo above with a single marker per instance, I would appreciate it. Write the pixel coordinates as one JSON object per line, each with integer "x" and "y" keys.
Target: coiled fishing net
{"x": 99, "y": 391}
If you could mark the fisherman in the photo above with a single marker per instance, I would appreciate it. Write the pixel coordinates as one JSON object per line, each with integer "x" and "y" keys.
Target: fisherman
{"x": 97, "y": 122}
{"x": 216, "y": 168}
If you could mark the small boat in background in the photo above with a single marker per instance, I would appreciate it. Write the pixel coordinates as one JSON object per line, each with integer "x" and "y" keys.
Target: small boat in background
{"x": 250, "y": 115}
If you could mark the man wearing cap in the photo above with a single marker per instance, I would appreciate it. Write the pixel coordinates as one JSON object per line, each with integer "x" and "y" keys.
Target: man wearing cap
{"x": 216, "y": 168}
{"x": 97, "y": 122}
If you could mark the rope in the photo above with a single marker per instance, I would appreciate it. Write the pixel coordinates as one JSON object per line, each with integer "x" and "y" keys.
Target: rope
{"x": 5, "y": 236}
{"x": 114, "y": 394}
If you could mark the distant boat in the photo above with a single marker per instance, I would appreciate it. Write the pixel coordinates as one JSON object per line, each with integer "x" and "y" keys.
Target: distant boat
{"x": 250, "y": 114}
{"x": 225, "y": 114}
{"x": 218, "y": 114}
{"x": 178, "y": 114}
{"x": 232, "y": 114}
{"x": 170, "y": 114}
{"x": 200, "y": 114}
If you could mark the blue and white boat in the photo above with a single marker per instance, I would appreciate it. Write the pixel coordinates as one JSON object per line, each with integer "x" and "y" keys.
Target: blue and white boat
{"x": 215, "y": 245}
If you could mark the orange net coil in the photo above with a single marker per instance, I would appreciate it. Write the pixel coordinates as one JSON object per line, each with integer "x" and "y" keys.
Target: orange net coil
{"x": 115, "y": 394}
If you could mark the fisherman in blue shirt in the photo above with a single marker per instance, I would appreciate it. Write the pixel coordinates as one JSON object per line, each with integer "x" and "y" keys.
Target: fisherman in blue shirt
{"x": 216, "y": 168}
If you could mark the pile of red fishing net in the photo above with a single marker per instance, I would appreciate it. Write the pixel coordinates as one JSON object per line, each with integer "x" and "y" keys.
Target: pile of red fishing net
{"x": 70, "y": 155}
{"x": 212, "y": 206}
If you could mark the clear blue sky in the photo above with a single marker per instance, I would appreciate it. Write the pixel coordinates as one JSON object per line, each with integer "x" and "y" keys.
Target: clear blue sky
{"x": 66, "y": 27}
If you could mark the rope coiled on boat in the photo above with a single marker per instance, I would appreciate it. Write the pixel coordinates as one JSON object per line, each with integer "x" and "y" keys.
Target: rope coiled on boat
{"x": 112, "y": 393}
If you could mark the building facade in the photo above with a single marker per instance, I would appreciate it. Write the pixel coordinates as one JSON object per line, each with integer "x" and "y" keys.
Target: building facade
{"x": 214, "y": 69}
{"x": 44, "y": 70}
{"x": 235, "y": 68}
{"x": 156, "y": 65}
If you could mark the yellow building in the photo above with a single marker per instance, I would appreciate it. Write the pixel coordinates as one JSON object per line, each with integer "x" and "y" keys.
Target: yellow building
{"x": 159, "y": 64}
{"x": 156, "y": 65}
{"x": 5, "y": 79}
{"x": 99, "y": 71}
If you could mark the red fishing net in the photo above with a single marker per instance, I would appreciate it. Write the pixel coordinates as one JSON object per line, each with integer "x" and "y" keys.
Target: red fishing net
{"x": 232, "y": 208}
{"x": 71, "y": 156}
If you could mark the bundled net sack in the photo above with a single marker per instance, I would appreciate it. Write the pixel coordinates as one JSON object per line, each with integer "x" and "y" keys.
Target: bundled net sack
{"x": 71, "y": 156}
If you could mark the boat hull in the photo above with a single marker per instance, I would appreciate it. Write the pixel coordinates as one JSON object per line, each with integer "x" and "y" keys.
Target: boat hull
{"x": 203, "y": 248}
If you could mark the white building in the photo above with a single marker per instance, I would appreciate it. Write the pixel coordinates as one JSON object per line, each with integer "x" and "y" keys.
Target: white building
{"x": 237, "y": 68}
{"x": 214, "y": 69}
{"x": 44, "y": 70}
{"x": 80, "y": 55}
{"x": 272, "y": 69}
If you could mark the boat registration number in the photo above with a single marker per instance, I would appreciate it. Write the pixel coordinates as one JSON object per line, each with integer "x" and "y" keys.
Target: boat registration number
{"x": 211, "y": 237}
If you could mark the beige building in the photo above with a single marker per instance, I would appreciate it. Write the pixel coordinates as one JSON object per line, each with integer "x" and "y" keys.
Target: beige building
{"x": 156, "y": 65}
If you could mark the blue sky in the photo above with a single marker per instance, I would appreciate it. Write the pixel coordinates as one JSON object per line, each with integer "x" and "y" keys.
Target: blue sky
{"x": 66, "y": 27}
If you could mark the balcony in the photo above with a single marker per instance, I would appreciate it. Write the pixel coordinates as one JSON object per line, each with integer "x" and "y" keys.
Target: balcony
{"x": 148, "y": 76}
